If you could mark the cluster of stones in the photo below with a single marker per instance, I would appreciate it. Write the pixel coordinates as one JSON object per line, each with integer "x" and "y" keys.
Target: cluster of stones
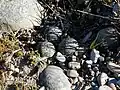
{"x": 72, "y": 61}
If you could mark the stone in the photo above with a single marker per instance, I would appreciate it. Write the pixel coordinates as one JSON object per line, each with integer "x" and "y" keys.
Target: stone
{"x": 19, "y": 13}
{"x": 89, "y": 62}
{"x": 42, "y": 88}
{"x": 46, "y": 48}
{"x": 118, "y": 84}
{"x": 74, "y": 65}
{"x": 53, "y": 78}
{"x": 75, "y": 80}
{"x": 113, "y": 67}
{"x": 53, "y": 33}
{"x": 94, "y": 55}
{"x": 72, "y": 73}
{"x": 109, "y": 35}
{"x": 112, "y": 85}
{"x": 74, "y": 58}
{"x": 101, "y": 58}
{"x": 105, "y": 87}
{"x": 68, "y": 46}
{"x": 102, "y": 79}
{"x": 60, "y": 57}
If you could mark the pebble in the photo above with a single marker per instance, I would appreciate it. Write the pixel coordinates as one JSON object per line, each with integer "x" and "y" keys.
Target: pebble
{"x": 60, "y": 57}
{"x": 89, "y": 62}
{"x": 75, "y": 80}
{"x": 105, "y": 87}
{"x": 72, "y": 73}
{"x": 47, "y": 49}
{"x": 112, "y": 85}
{"x": 102, "y": 79}
{"x": 74, "y": 58}
{"x": 101, "y": 58}
{"x": 42, "y": 88}
{"x": 94, "y": 55}
{"x": 74, "y": 65}
{"x": 53, "y": 78}
{"x": 113, "y": 67}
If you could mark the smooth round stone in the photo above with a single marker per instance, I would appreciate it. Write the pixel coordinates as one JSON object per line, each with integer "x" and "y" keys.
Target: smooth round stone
{"x": 19, "y": 13}
{"x": 74, "y": 65}
{"x": 113, "y": 67}
{"x": 105, "y": 87}
{"x": 102, "y": 79}
{"x": 47, "y": 49}
{"x": 53, "y": 33}
{"x": 112, "y": 85}
{"x": 68, "y": 46}
{"x": 53, "y": 78}
{"x": 72, "y": 73}
{"x": 60, "y": 57}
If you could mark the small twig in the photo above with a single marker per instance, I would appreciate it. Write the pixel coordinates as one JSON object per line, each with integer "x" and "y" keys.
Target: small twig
{"x": 99, "y": 16}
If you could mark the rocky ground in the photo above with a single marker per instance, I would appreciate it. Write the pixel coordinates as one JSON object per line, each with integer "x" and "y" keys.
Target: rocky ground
{"x": 76, "y": 47}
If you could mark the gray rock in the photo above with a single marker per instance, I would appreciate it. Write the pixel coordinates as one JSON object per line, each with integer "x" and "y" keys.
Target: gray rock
{"x": 74, "y": 58}
{"x": 102, "y": 79}
{"x": 53, "y": 78}
{"x": 113, "y": 67}
{"x": 108, "y": 35}
{"x": 105, "y": 87}
{"x": 19, "y": 13}
{"x": 60, "y": 57}
{"x": 53, "y": 33}
{"x": 46, "y": 48}
{"x": 72, "y": 73}
{"x": 68, "y": 46}
{"x": 74, "y": 65}
{"x": 94, "y": 55}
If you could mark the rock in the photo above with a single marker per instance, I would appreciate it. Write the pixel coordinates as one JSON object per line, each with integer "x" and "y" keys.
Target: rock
{"x": 42, "y": 88}
{"x": 46, "y": 48}
{"x": 19, "y": 13}
{"x": 74, "y": 65}
{"x": 74, "y": 58}
{"x": 81, "y": 51}
{"x": 75, "y": 80}
{"x": 101, "y": 58}
{"x": 53, "y": 78}
{"x": 89, "y": 62}
{"x": 102, "y": 79}
{"x": 118, "y": 84}
{"x": 53, "y": 33}
{"x": 109, "y": 35}
{"x": 113, "y": 67}
{"x": 94, "y": 55}
{"x": 72, "y": 73}
{"x": 60, "y": 57}
{"x": 105, "y": 87}
{"x": 68, "y": 46}
{"x": 112, "y": 85}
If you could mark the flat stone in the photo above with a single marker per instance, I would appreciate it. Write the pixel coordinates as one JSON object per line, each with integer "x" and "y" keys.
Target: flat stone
{"x": 60, "y": 57}
{"x": 53, "y": 33}
{"x": 68, "y": 46}
{"x": 19, "y": 13}
{"x": 74, "y": 65}
{"x": 102, "y": 79}
{"x": 53, "y": 78}
{"x": 94, "y": 55}
{"x": 72, "y": 73}
{"x": 105, "y": 87}
{"x": 46, "y": 48}
{"x": 113, "y": 67}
